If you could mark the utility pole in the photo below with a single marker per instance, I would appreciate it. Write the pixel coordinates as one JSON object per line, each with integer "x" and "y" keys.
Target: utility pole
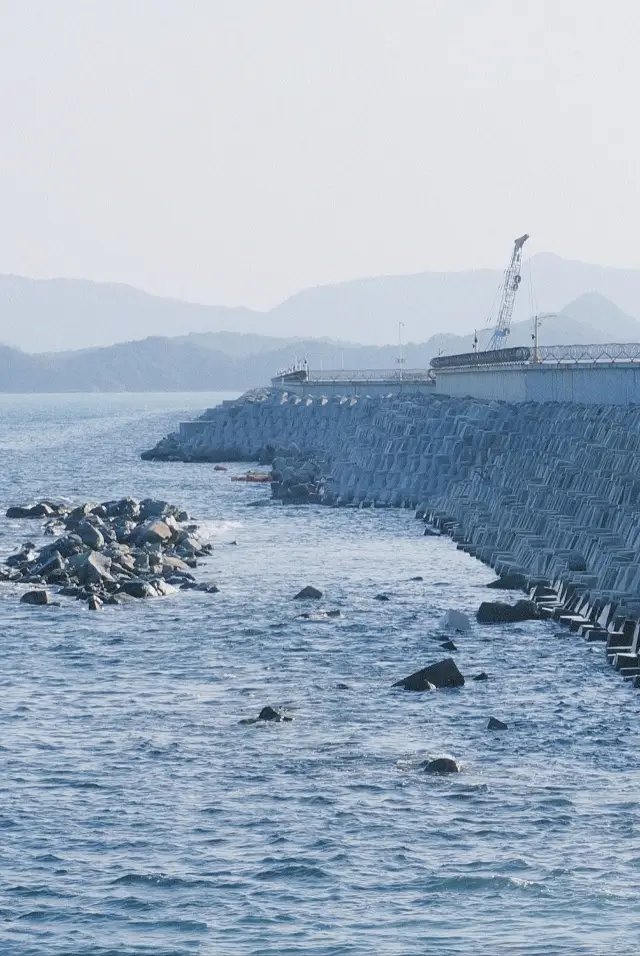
{"x": 400, "y": 360}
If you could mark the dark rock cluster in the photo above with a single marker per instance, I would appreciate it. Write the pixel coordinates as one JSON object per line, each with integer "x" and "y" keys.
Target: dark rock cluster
{"x": 298, "y": 480}
{"x": 108, "y": 553}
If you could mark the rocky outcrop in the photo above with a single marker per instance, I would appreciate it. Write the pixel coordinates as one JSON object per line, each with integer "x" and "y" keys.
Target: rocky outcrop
{"x": 110, "y": 552}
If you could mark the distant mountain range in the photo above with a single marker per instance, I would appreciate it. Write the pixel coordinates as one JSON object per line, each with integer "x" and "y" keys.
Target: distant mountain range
{"x": 59, "y": 314}
{"x": 230, "y": 361}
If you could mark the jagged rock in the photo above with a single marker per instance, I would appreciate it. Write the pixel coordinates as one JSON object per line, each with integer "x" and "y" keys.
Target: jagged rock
{"x": 448, "y": 646}
{"x": 308, "y": 592}
{"x": 495, "y": 724}
{"x": 509, "y": 582}
{"x": 457, "y": 621}
{"x": 91, "y": 567}
{"x": 431, "y": 533}
{"x": 95, "y": 604}
{"x": 481, "y": 676}
{"x": 495, "y": 612}
{"x": 441, "y": 765}
{"x": 155, "y": 531}
{"x": 35, "y": 597}
{"x": 90, "y": 536}
{"x": 443, "y": 674}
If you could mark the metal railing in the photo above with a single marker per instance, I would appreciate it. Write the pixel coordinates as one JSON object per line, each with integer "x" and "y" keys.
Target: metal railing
{"x": 371, "y": 375}
{"x": 606, "y": 352}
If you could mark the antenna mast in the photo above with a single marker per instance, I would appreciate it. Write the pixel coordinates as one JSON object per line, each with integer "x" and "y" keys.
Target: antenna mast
{"x": 512, "y": 279}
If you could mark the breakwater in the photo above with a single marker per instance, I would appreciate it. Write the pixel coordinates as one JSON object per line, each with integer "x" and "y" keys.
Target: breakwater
{"x": 548, "y": 493}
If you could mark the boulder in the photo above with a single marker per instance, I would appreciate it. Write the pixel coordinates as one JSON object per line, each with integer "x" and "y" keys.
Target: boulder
{"x": 155, "y": 531}
{"x": 171, "y": 563}
{"x": 209, "y": 587}
{"x": 456, "y": 621}
{"x": 481, "y": 676}
{"x": 495, "y": 612}
{"x": 309, "y": 592}
{"x": 137, "y": 589}
{"x": 495, "y": 724}
{"x": 95, "y": 604}
{"x": 91, "y": 536}
{"x": 18, "y": 511}
{"x": 444, "y": 673}
{"x": 35, "y": 597}
{"x": 91, "y": 567}
{"x": 513, "y": 581}
{"x": 441, "y": 765}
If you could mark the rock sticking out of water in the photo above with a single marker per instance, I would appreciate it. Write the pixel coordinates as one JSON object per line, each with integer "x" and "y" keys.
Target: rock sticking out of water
{"x": 110, "y": 552}
{"x": 495, "y": 724}
{"x": 481, "y": 676}
{"x": 441, "y": 765}
{"x": 268, "y": 714}
{"x": 448, "y": 646}
{"x": 308, "y": 593}
{"x": 495, "y": 612}
{"x": 443, "y": 674}
{"x": 36, "y": 597}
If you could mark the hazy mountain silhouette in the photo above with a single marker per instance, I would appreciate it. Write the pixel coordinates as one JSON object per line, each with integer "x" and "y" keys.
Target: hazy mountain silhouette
{"x": 228, "y": 361}
{"x": 58, "y": 314}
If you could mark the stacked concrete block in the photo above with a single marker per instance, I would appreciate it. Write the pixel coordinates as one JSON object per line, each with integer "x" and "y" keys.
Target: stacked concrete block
{"x": 549, "y": 490}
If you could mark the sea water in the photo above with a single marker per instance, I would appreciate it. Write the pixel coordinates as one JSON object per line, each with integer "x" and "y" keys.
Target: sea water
{"x": 138, "y": 815}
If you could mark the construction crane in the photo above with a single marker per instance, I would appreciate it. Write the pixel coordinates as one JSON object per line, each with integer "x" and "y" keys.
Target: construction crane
{"x": 510, "y": 285}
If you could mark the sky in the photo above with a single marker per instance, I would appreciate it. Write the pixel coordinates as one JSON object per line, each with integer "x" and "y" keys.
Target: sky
{"x": 236, "y": 151}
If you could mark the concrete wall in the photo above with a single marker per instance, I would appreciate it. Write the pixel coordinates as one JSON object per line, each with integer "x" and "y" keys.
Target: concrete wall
{"x": 601, "y": 385}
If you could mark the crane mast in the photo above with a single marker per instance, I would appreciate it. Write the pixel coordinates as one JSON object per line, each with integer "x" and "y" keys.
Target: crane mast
{"x": 510, "y": 285}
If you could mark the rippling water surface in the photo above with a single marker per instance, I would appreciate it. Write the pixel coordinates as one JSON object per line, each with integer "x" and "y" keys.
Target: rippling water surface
{"x": 138, "y": 815}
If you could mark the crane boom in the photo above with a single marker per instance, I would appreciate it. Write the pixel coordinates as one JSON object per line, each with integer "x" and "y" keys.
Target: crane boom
{"x": 510, "y": 285}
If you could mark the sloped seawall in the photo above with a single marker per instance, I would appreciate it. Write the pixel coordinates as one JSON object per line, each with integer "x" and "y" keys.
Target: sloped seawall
{"x": 548, "y": 490}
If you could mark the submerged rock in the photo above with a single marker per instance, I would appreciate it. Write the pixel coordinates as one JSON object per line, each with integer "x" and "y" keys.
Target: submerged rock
{"x": 441, "y": 765}
{"x": 481, "y": 676}
{"x": 495, "y": 612}
{"x": 443, "y": 674}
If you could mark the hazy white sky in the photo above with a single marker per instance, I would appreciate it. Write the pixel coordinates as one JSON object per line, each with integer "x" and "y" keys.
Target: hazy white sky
{"x": 235, "y": 151}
